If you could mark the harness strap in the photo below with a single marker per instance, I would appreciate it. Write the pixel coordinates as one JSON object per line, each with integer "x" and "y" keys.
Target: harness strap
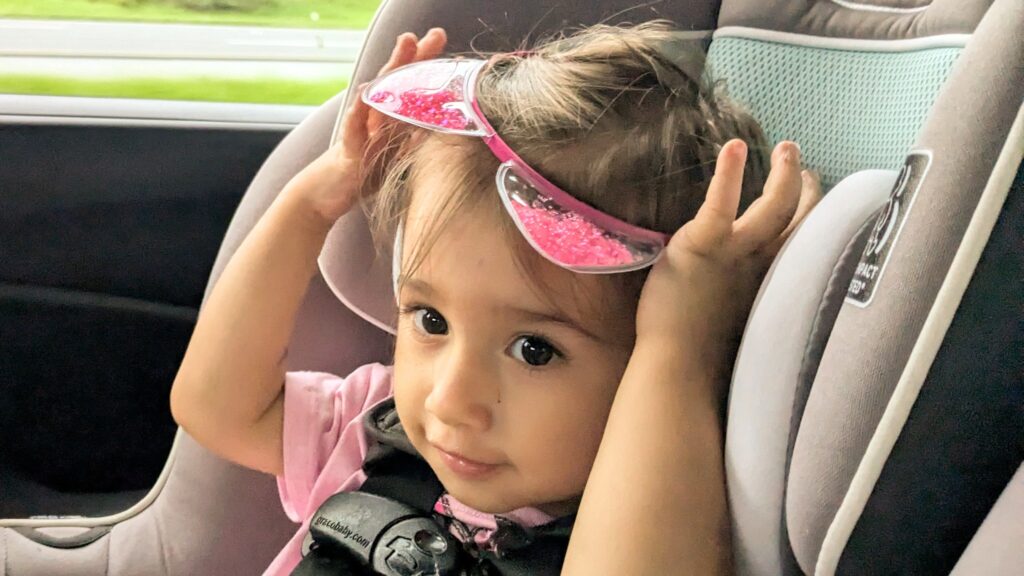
{"x": 393, "y": 467}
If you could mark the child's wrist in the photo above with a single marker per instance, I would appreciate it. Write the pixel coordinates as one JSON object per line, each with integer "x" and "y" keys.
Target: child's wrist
{"x": 306, "y": 211}
{"x": 702, "y": 372}
{"x": 323, "y": 191}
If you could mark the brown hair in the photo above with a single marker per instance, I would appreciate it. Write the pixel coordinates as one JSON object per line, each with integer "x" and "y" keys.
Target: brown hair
{"x": 624, "y": 118}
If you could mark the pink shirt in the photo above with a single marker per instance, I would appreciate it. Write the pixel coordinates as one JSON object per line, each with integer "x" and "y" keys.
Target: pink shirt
{"x": 324, "y": 447}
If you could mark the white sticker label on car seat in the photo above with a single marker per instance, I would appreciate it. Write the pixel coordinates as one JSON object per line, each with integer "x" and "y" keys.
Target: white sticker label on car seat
{"x": 887, "y": 229}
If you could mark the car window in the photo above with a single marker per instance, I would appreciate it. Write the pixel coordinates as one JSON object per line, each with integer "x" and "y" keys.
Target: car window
{"x": 260, "y": 51}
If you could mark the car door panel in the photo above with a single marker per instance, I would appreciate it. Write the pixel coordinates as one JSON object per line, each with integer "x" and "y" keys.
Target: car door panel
{"x": 109, "y": 224}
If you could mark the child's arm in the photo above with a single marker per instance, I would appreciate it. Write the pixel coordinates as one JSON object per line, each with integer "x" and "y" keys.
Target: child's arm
{"x": 228, "y": 393}
{"x": 655, "y": 502}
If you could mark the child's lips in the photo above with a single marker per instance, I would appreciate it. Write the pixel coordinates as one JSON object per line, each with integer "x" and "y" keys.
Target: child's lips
{"x": 466, "y": 467}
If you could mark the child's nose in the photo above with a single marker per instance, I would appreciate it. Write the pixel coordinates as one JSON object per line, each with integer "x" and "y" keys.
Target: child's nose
{"x": 463, "y": 390}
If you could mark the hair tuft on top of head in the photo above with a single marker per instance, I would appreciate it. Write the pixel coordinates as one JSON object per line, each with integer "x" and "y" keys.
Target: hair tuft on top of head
{"x": 626, "y": 118}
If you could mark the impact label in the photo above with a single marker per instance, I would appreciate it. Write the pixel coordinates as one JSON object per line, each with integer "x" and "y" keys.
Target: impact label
{"x": 887, "y": 230}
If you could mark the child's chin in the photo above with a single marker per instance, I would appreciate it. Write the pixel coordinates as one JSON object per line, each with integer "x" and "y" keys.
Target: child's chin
{"x": 481, "y": 500}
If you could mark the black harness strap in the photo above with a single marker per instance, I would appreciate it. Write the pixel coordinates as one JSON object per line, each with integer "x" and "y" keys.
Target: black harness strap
{"x": 393, "y": 467}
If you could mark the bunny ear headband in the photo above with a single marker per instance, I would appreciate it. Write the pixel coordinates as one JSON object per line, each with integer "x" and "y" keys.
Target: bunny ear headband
{"x": 440, "y": 95}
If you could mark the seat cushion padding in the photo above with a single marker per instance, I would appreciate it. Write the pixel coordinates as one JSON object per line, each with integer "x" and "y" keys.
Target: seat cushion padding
{"x": 850, "y": 110}
{"x": 765, "y": 398}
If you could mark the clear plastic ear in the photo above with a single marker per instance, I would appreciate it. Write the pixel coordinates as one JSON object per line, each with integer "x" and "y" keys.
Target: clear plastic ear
{"x": 431, "y": 94}
{"x": 566, "y": 237}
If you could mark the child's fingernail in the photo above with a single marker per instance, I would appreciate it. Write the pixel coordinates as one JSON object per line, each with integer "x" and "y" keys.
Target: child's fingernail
{"x": 738, "y": 148}
{"x": 791, "y": 152}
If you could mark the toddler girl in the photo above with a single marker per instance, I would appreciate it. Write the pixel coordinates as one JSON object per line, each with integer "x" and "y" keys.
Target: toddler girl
{"x": 531, "y": 192}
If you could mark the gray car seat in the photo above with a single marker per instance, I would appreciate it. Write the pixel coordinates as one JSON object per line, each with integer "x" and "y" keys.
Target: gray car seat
{"x": 876, "y": 422}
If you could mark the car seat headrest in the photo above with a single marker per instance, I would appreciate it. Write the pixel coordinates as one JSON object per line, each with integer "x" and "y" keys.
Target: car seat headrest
{"x": 856, "y": 19}
{"x": 881, "y": 63}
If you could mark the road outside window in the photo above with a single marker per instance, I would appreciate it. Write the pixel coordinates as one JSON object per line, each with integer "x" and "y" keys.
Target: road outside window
{"x": 261, "y": 51}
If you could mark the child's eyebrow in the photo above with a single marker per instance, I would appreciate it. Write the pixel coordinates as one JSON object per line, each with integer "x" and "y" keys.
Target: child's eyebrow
{"x": 553, "y": 317}
{"x": 415, "y": 284}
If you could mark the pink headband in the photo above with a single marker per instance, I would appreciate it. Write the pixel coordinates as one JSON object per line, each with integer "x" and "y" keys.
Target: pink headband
{"x": 440, "y": 95}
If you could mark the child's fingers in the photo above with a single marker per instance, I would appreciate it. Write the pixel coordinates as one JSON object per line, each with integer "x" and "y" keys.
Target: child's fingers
{"x": 403, "y": 53}
{"x": 431, "y": 45}
{"x": 714, "y": 221}
{"x": 354, "y": 130}
{"x": 768, "y": 217}
{"x": 810, "y": 195}
{"x": 409, "y": 49}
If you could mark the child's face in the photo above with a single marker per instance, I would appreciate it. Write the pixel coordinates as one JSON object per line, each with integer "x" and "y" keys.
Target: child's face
{"x": 503, "y": 392}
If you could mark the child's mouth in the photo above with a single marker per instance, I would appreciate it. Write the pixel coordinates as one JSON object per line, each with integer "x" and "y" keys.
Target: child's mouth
{"x": 464, "y": 467}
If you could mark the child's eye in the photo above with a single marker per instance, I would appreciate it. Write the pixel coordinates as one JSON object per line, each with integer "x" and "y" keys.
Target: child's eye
{"x": 430, "y": 321}
{"x": 533, "y": 350}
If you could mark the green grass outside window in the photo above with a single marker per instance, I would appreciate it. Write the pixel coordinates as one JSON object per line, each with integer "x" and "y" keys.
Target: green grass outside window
{"x": 349, "y": 14}
{"x": 271, "y": 90}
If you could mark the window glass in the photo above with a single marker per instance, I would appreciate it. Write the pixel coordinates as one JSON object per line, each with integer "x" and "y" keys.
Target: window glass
{"x": 264, "y": 51}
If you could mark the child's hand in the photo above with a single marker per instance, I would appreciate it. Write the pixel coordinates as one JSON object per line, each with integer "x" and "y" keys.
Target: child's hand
{"x": 330, "y": 184}
{"x": 699, "y": 294}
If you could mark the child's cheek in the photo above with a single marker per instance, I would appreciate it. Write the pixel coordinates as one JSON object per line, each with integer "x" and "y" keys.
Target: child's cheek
{"x": 563, "y": 434}
{"x": 407, "y": 383}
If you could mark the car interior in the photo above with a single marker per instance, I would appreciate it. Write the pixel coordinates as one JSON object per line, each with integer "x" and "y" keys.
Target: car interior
{"x": 876, "y": 413}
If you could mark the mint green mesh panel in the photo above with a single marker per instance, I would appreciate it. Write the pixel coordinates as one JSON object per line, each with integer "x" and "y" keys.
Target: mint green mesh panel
{"x": 849, "y": 111}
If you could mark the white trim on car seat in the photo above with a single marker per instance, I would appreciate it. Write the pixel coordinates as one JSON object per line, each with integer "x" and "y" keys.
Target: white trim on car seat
{"x": 861, "y": 7}
{"x": 925, "y": 349}
{"x": 853, "y": 44}
{"x": 112, "y": 519}
{"x": 355, "y": 66}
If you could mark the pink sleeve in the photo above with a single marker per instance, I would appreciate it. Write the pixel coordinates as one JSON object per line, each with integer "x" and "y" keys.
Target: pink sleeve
{"x": 323, "y": 437}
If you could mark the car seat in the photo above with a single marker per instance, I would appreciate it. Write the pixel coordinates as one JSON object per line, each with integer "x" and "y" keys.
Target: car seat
{"x": 876, "y": 419}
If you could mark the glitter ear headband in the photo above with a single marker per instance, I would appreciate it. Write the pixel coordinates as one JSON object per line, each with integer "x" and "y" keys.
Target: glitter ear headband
{"x": 440, "y": 95}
